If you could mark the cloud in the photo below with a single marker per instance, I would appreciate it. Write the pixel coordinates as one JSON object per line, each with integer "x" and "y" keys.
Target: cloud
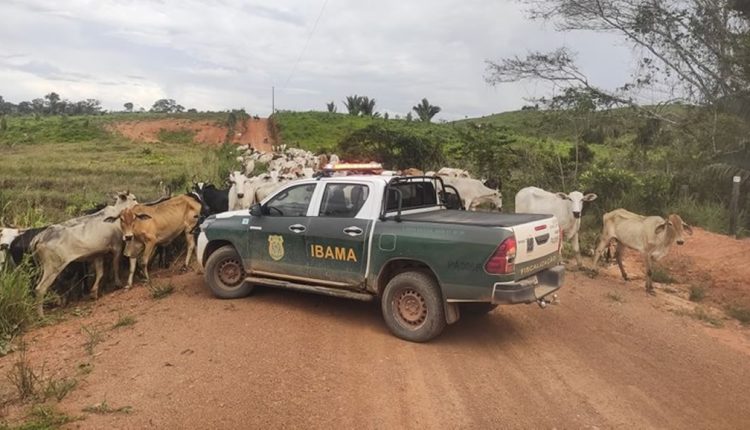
{"x": 230, "y": 53}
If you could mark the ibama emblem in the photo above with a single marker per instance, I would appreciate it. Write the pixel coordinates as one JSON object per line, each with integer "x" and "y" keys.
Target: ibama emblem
{"x": 276, "y": 247}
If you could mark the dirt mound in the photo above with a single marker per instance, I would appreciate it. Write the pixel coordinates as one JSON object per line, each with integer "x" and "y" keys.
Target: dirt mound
{"x": 253, "y": 132}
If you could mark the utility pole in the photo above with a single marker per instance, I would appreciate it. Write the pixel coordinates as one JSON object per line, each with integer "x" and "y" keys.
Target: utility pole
{"x": 273, "y": 100}
{"x": 734, "y": 206}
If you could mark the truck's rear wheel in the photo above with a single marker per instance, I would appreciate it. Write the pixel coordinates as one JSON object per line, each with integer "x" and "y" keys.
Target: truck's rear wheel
{"x": 413, "y": 307}
{"x": 225, "y": 274}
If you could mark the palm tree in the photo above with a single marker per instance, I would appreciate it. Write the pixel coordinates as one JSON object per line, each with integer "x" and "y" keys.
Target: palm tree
{"x": 353, "y": 105}
{"x": 331, "y": 107}
{"x": 425, "y": 111}
{"x": 367, "y": 106}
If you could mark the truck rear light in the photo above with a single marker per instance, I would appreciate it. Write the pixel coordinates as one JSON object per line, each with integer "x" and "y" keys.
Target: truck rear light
{"x": 501, "y": 261}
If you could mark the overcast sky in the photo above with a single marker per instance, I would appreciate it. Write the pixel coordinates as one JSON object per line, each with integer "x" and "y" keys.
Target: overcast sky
{"x": 229, "y": 53}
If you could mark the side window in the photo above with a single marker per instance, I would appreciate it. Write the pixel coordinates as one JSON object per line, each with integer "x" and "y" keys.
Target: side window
{"x": 413, "y": 195}
{"x": 290, "y": 202}
{"x": 343, "y": 200}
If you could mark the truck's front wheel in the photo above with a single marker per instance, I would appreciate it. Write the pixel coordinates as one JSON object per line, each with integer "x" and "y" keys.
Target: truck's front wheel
{"x": 413, "y": 307}
{"x": 225, "y": 274}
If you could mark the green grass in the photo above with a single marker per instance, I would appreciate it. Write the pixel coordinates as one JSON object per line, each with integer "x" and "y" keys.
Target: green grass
{"x": 17, "y": 303}
{"x": 94, "y": 336}
{"x": 182, "y": 136}
{"x": 317, "y": 131}
{"x": 161, "y": 290}
{"x": 105, "y": 408}
{"x": 42, "y": 417}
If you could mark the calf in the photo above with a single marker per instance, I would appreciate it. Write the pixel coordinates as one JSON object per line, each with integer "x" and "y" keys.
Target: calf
{"x": 651, "y": 236}
{"x": 83, "y": 238}
{"x": 566, "y": 207}
{"x": 145, "y": 227}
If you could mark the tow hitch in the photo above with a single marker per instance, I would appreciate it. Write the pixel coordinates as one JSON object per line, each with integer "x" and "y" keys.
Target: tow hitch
{"x": 543, "y": 302}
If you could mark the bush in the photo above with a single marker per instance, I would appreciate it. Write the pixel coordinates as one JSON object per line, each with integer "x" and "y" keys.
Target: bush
{"x": 395, "y": 146}
{"x": 644, "y": 193}
{"x": 710, "y": 215}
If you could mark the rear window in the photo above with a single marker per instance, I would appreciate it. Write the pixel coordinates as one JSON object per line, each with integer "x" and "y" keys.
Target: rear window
{"x": 413, "y": 195}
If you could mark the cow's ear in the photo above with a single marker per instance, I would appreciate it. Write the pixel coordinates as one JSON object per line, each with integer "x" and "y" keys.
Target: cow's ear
{"x": 143, "y": 216}
{"x": 111, "y": 218}
{"x": 662, "y": 227}
{"x": 562, "y": 196}
{"x": 687, "y": 228}
{"x": 589, "y": 197}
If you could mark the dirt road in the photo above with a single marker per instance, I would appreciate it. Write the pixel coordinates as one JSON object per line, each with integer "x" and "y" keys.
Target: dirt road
{"x": 286, "y": 359}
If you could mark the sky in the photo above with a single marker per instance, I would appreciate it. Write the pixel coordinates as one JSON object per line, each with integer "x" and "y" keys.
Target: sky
{"x": 228, "y": 54}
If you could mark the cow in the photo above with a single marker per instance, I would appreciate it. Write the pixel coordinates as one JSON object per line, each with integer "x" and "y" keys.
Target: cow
{"x": 474, "y": 194}
{"x": 453, "y": 173}
{"x": 652, "y": 236}
{"x": 240, "y": 194}
{"x": 83, "y": 238}
{"x": 214, "y": 200}
{"x": 412, "y": 171}
{"x": 145, "y": 227}
{"x": 566, "y": 207}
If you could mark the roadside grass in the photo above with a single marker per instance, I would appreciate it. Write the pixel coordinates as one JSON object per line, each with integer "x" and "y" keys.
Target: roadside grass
{"x": 696, "y": 293}
{"x": 17, "y": 303}
{"x": 105, "y": 408}
{"x": 124, "y": 321}
{"x": 701, "y": 314}
{"x": 740, "y": 313}
{"x": 94, "y": 336}
{"x": 615, "y": 297}
{"x": 159, "y": 290}
{"x": 42, "y": 417}
{"x": 31, "y": 384}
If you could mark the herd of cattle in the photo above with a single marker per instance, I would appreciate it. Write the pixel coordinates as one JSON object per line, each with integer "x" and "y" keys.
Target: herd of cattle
{"x": 135, "y": 230}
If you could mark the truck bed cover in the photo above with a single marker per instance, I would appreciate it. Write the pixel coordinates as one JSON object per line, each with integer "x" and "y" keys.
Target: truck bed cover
{"x": 486, "y": 219}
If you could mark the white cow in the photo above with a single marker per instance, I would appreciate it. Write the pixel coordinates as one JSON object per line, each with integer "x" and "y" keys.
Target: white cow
{"x": 651, "y": 236}
{"x": 453, "y": 173}
{"x": 566, "y": 207}
{"x": 6, "y": 238}
{"x": 474, "y": 193}
{"x": 241, "y": 195}
{"x": 83, "y": 238}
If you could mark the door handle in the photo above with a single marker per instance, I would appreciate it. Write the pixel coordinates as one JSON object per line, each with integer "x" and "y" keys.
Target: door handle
{"x": 297, "y": 228}
{"x": 353, "y": 231}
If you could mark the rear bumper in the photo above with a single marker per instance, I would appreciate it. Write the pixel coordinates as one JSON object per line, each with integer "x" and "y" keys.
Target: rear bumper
{"x": 530, "y": 289}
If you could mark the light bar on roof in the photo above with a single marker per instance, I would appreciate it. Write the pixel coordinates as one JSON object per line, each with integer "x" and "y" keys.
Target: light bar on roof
{"x": 338, "y": 167}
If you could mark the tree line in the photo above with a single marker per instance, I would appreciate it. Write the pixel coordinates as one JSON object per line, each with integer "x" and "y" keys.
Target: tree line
{"x": 53, "y": 104}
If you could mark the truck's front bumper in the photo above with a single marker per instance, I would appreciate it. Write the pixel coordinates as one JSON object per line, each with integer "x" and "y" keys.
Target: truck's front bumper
{"x": 530, "y": 289}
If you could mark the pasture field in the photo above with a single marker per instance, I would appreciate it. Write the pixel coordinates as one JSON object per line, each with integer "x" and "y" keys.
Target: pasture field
{"x": 53, "y": 168}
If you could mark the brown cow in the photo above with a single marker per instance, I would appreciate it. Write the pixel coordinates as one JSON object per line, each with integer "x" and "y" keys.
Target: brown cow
{"x": 145, "y": 227}
{"x": 651, "y": 236}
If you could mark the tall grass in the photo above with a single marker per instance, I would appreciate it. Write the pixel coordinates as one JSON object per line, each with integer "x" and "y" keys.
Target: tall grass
{"x": 710, "y": 215}
{"x": 17, "y": 303}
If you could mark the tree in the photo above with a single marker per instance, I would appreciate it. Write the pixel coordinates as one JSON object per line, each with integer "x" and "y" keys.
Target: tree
{"x": 128, "y": 107}
{"x": 425, "y": 111}
{"x": 331, "y": 107}
{"x": 367, "y": 106}
{"x": 353, "y": 105}
{"x": 409, "y": 117}
{"x": 52, "y": 100}
{"x": 696, "y": 50}
{"x": 394, "y": 145}
{"x": 165, "y": 106}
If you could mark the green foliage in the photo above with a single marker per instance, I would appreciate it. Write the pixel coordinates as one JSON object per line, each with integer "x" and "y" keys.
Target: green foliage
{"x": 17, "y": 303}
{"x": 3, "y": 123}
{"x": 331, "y": 107}
{"x": 181, "y": 136}
{"x": 661, "y": 275}
{"x": 486, "y": 148}
{"x": 166, "y": 106}
{"x": 646, "y": 193}
{"x": 425, "y": 111}
{"x": 396, "y": 146}
{"x": 43, "y": 417}
{"x": 710, "y": 215}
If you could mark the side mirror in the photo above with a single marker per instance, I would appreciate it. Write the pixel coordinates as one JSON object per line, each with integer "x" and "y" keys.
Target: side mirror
{"x": 256, "y": 210}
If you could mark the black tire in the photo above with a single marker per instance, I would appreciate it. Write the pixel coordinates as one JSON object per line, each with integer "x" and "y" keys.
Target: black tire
{"x": 225, "y": 275}
{"x": 476, "y": 309}
{"x": 412, "y": 307}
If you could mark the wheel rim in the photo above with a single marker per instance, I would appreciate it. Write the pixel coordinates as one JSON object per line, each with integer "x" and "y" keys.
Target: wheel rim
{"x": 230, "y": 272}
{"x": 411, "y": 308}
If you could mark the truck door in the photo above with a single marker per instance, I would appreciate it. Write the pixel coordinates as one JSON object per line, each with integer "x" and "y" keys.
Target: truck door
{"x": 277, "y": 238}
{"x": 336, "y": 238}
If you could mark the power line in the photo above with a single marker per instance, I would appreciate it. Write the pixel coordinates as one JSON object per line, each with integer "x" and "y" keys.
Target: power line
{"x": 309, "y": 36}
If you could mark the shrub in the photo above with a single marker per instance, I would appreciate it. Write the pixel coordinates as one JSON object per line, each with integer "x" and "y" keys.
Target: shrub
{"x": 697, "y": 293}
{"x": 393, "y": 145}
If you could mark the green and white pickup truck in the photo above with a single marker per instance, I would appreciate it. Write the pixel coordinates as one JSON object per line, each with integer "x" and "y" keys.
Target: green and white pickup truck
{"x": 387, "y": 238}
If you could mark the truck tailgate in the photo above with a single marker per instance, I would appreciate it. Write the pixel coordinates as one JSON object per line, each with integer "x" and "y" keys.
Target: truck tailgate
{"x": 534, "y": 241}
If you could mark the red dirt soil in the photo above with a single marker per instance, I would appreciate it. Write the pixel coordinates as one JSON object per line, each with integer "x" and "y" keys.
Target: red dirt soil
{"x": 253, "y": 132}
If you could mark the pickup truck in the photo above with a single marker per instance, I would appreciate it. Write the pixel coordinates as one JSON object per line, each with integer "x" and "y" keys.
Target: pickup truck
{"x": 389, "y": 238}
